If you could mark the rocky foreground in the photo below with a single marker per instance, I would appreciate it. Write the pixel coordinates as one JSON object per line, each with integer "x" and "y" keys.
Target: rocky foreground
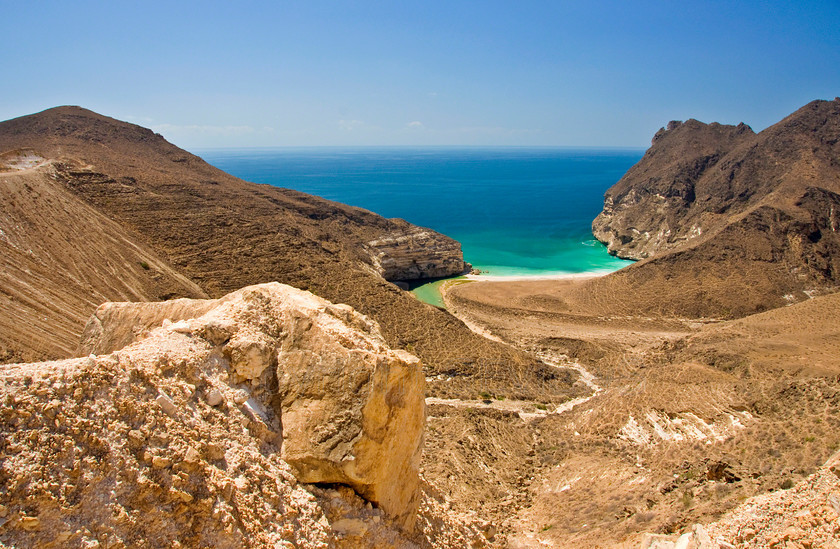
{"x": 806, "y": 515}
{"x": 267, "y": 418}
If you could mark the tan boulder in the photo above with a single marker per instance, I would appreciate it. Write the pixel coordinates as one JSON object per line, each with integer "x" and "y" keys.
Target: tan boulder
{"x": 351, "y": 410}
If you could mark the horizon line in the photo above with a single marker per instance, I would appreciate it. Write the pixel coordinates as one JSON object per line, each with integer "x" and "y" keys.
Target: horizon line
{"x": 521, "y": 147}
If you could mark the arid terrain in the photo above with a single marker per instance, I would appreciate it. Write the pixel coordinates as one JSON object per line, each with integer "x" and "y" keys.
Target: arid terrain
{"x": 559, "y": 413}
{"x": 98, "y": 210}
{"x": 690, "y": 417}
{"x": 701, "y": 401}
{"x": 110, "y": 211}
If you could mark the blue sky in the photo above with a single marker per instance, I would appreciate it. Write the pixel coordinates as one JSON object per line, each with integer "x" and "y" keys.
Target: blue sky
{"x": 238, "y": 74}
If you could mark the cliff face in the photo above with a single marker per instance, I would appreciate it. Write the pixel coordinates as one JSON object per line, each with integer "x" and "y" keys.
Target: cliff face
{"x": 416, "y": 253}
{"x": 731, "y": 222}
{"x": 299, "y": 355}
{"x": 654, "y": 206}
{"x": 697, "y": 178}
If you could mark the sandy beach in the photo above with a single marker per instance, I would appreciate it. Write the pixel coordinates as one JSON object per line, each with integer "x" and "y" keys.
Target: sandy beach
{"x": 520, "y": 278}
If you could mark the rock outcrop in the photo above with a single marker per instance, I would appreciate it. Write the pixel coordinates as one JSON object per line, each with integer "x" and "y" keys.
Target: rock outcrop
{"x": 416, "y": 253}
{"x": 729, "y": 222}
{"x": 645, "y": 212}
{"x": 697, "y": 178}
{"x": 198, "y": 431}
{"x": 351, "y": 409}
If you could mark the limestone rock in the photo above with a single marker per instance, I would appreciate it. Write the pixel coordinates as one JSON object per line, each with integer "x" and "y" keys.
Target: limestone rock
{"x": 415, "y": 253}
{"x": 127, "y": 449}
{"x": 351, "y": 410}
{"x": 354, "y": 416}
{"x": 115, "y": 325}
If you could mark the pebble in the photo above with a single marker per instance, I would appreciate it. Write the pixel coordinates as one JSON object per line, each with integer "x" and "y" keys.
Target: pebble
{"x": 214, "y": 397}
{"x": 136, "y": 437}
{"x": 192, "y": 455}
{"x": 241, "y": 396}
{"x": 186, "y": 497}
{"x": 30, "y": 523}
{"x": 181, "y": 327}
{"x": 255, "y": 410}
{"x": 167, "y": 405}
{"x": 215, "y": 451}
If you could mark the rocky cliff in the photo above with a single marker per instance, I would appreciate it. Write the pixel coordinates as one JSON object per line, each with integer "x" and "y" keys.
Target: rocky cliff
{"x": 731, "y": 222}
{"x": 416, "y": 253}
{"x": 697, "y": 178}
{"x": 211, "y": 427}
{"x": 651, "y": 208}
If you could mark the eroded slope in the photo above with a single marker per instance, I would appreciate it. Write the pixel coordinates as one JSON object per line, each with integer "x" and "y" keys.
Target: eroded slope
{"x": 59, "y": 259}
{"x": 732, "y": 222}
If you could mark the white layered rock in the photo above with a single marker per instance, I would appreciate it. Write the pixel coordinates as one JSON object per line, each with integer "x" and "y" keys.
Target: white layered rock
{"x": 416, "y": 253}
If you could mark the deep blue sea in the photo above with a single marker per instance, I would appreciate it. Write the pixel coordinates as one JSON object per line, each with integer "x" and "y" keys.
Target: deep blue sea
{"x": 516, "y": 211}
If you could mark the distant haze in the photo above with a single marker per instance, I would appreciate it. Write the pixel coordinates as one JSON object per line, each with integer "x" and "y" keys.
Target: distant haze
{"x": 420, "y": 73}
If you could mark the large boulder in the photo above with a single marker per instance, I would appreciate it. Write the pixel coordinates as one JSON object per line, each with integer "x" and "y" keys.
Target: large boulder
{"x": 319, "y": 376}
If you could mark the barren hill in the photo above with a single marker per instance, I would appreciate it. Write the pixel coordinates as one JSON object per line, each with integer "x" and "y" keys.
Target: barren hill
{"x": 112, "y": 211}
{"x": 731, "y": 222}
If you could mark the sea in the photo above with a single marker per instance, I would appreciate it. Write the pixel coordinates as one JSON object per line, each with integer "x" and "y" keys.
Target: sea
{"x": 515, "y": 211}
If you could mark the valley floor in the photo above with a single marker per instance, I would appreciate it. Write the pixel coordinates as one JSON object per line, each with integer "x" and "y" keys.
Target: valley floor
{"x": 680, "y": 421}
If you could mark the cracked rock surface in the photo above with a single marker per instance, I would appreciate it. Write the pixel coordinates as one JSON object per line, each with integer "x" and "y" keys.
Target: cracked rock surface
{"x": 206, "y": 432}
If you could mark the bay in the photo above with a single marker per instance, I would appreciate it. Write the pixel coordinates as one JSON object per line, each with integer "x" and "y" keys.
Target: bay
{"x": 515, "y": 211}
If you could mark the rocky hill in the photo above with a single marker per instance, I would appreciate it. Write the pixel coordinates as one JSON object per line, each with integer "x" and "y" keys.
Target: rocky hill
{"x": 729, "y": 222}
{"x": 95, "y": 209}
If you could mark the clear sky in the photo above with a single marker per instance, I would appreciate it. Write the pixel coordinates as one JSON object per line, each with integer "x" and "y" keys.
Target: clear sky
{"x": 517, "y": 72}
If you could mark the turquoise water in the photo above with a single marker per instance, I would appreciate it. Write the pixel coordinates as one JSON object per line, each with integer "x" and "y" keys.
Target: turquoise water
{"x": 429, "y": 292}
{"x": 516, "y": 211}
